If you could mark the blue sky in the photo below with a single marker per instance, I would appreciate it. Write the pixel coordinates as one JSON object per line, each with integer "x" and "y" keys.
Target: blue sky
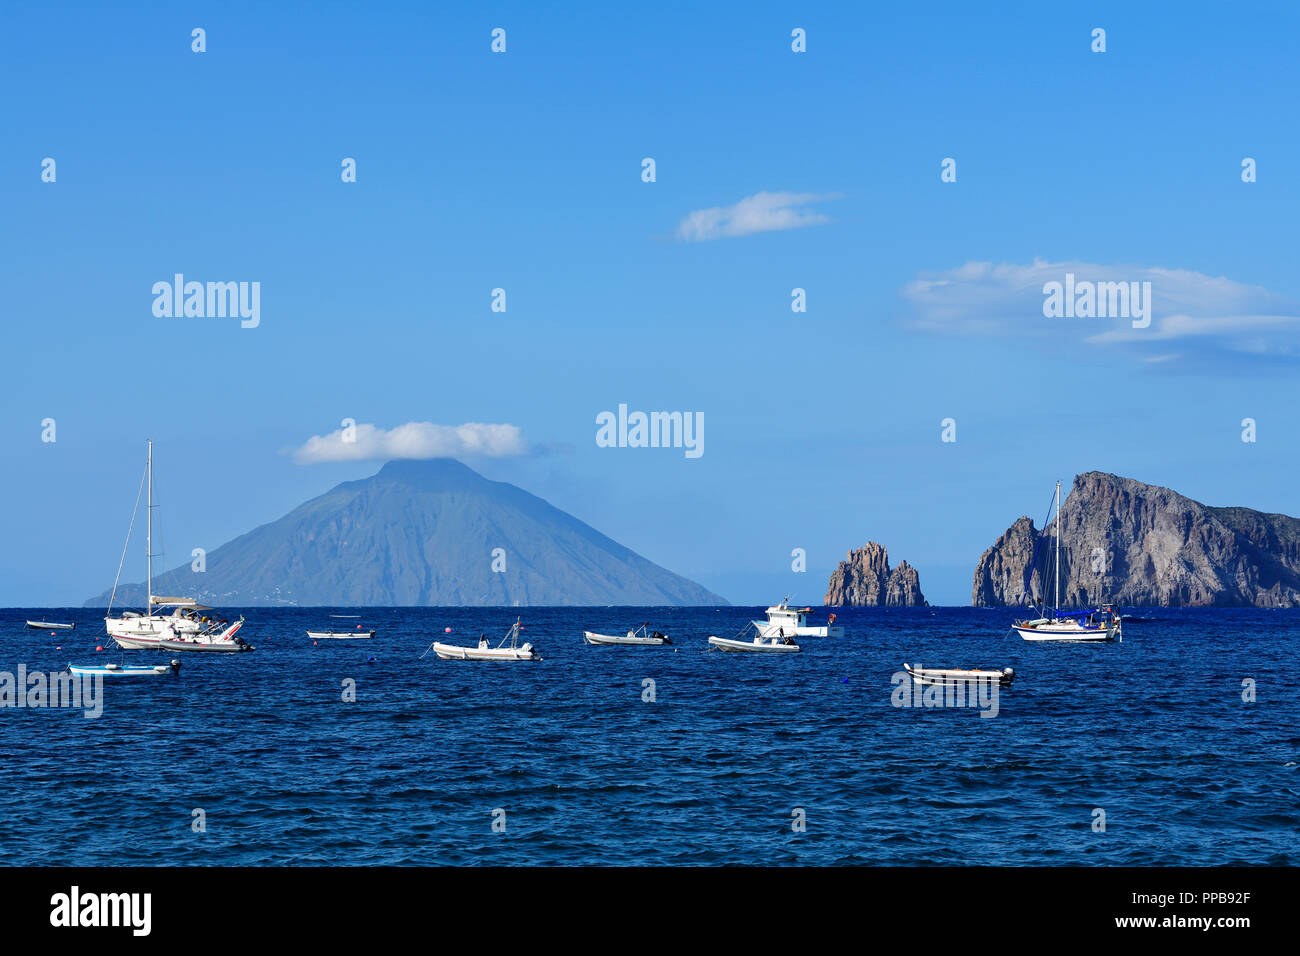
{"x": 522, "y": 171}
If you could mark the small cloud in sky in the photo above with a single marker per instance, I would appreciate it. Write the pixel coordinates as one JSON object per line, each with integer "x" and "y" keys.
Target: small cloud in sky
{"x": 1198, "y": 312}
{"x": 412, "y": 440}
{"x": 761, "y": 212}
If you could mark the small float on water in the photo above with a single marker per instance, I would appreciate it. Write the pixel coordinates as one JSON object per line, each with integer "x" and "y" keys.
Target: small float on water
{"x": 641, "y": 636}
{"x": 959, "y": 675}
{"x": 485, "y": 651}
{"x": 752, "y": 640}
{"x": 126, "y": 670}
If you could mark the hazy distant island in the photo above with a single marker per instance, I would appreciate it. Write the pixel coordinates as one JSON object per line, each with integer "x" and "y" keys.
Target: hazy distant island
{"x": 420, "y": 533}
{"x": 1132, "y": 543}
{"x": 864, "y": 579}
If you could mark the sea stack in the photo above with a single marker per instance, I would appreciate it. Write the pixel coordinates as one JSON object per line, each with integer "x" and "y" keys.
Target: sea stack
{"x": 864, "y": 579}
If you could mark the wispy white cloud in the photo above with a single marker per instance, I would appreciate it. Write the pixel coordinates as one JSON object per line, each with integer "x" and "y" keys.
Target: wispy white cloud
{"x": 762, "y": 212}
{"x": 1197, "y": 311}
{"x": 412, "y": 440}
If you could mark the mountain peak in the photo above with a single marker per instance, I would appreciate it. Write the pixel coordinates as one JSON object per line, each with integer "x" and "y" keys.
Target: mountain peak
{"x": 426, "y": 532}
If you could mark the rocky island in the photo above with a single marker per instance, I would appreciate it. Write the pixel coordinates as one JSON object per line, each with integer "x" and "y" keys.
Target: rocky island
{"x": 1131, "y": 543}
{"x": 864, "y": 579}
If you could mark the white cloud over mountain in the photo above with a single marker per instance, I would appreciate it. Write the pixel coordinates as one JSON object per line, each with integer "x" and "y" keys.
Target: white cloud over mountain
{"x": 413, "y": 440}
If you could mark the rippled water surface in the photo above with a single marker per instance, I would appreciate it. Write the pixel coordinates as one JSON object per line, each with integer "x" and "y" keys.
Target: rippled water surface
{"x": 1153, "y": 731}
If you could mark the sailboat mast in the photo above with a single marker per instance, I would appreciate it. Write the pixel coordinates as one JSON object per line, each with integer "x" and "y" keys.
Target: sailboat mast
{"x": 148, "y": 537}
{"x": 1058, "y": 546}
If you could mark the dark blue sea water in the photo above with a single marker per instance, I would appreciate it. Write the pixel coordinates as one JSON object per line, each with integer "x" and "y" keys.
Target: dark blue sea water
{"x": 1153, "y": 731}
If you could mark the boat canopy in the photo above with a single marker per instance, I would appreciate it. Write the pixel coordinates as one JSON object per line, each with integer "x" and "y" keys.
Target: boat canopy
{"x": 1083, "y": 613}
{"x": 157, "y": 601}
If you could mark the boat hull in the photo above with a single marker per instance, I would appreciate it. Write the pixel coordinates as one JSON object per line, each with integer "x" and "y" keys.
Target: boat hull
{"x": 774, "y": 630}
{"x": 1056, "y": 632}
{"x": 930, "y": 676}
{"x": 757, "y": 646}
{"x": 50, "y": 626}
{"x": 591, "y": 637}
{"x": 126, "y": 670}
{"x": 206, "y": 647}
{"x": 340, "y": 635}
{"x": 454, "y": 652}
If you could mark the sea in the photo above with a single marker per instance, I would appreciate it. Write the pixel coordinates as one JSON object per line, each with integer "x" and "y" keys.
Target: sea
{"x": 1178, "y": 745}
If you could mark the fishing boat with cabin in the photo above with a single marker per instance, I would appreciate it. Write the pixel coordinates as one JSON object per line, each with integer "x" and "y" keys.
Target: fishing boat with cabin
{"x": 786, "y": 621}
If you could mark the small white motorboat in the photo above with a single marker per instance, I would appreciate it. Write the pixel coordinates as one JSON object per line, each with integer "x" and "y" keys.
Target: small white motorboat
{"x": 340, "y": 635}
{"x": 50, "y": 626}
{"x": 212, "y": 641}
{"x": 759, "y": 643}
{"x": 126, "y": 670}
{"x": 959, "y": 675}
{"x": 641, "y": 636}
{"x": 486, "y": 652}
{"x": 785, "y": 621}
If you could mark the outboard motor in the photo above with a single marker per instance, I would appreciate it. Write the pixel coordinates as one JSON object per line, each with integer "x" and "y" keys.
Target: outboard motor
{"x": 1008, "y": 674}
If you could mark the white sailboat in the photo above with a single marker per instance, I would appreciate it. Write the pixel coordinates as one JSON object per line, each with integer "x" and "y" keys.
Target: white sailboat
{"x": 147, "y": 631}
{"x": 1095, "y": 624}
{"x": 786, "y": 621}
{"x": 486, "y": 652}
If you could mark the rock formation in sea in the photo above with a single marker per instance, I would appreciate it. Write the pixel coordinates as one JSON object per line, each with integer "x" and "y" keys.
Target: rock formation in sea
{"x": 1132, "y": 543}
{"x": 864, "y": 579}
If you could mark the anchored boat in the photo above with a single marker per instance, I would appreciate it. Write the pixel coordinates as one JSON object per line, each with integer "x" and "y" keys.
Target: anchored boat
{"x": 785, "y": 621}
{"x": 126, "y": 670}
{"x": 959, "y": 675}
{"x": 340, "y": 635}
{"x": 639, "y": 636}
{"x": 50, "y": 626}
{"x": 134, "y": 631}
{"x": 1095, "y": 624}
{"x": 212, "y": 641}
{"x": 752, "y": 641}
{"x": 486, "y": 652}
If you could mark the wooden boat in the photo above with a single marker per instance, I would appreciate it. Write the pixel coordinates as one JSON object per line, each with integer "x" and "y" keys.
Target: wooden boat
{"x": 126, "y": 670}
{"x": 956, "y": 675}
{"x": 340, "y": 635}
{"x": 640, "y": 636}
{"x": 486, "y": 652}
{"x": 759, "y": 643}
{"x": 50, "y": 626}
